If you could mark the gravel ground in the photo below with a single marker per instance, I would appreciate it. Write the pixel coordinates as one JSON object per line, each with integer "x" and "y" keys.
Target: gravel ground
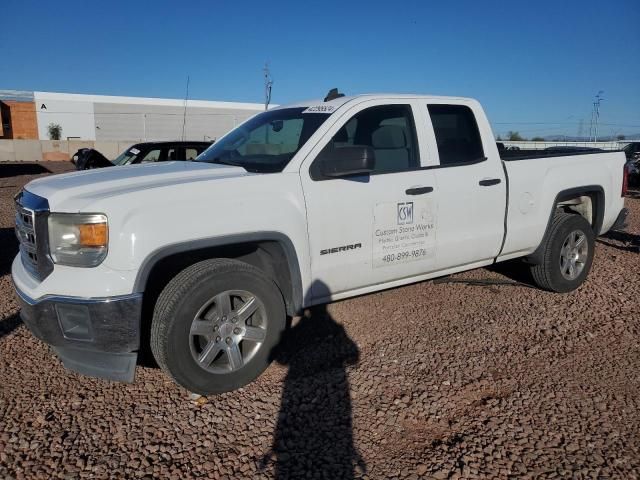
{"x": 442, "y": 379}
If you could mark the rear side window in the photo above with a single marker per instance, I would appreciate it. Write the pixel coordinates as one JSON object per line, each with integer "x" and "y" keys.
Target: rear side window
{"x": 457, "y": 134}
{"x": 191, "y": 153}
{"x": 172, "y": 154}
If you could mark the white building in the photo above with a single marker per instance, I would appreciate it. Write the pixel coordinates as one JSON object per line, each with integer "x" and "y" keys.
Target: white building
{"x": 109, "y": 118}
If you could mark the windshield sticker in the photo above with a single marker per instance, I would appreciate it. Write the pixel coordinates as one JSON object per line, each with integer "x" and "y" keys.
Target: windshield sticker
{"x": 321, "y": 109}
{"x": 403, "y": 232}
{"x": 135, "y": 151}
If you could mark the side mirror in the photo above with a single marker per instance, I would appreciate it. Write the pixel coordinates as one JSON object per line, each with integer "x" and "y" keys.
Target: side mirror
{"x": 346, "y": 161}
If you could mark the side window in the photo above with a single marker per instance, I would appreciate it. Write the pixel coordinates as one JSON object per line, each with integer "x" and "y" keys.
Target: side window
{"x": 457, "y": 134}
{"x": 151, "y": 156}
{"x": 172, "y": 154}
{"x": 388, "y": 130}
{"x": 190, "y": 153}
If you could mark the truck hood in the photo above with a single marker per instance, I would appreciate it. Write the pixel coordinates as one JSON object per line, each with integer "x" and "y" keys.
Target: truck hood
{"x": 71, "y": 192}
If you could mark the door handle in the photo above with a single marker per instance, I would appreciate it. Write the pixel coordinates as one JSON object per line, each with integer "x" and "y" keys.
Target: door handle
{"x": 487, "y": 182}
{"x": 418, "y": 190}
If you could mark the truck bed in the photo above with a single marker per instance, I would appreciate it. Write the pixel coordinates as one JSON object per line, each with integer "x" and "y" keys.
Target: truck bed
{"x": 530, "y": 154}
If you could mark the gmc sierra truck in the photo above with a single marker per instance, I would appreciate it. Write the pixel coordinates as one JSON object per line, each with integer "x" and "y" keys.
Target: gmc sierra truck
{"x": 201, "y": 262}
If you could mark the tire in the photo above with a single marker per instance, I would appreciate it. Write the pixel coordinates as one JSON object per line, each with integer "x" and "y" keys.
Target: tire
{"x": 197, "y": 335}
{"x": 554, "y": 273}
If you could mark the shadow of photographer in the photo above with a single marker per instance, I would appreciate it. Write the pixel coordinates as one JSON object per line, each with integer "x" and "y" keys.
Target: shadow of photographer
{"x": 314, "y": 432}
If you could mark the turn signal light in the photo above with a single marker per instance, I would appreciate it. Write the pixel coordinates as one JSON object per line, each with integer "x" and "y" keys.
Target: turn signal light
{"x": 93, "y": 234}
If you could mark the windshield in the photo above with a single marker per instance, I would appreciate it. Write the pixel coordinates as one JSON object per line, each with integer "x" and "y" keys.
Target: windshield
{"x": 126, "y": 157}
{"x": 267, "y": 142}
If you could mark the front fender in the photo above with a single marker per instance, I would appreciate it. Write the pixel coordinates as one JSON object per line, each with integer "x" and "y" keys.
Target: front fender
{"x": 293, "y": 264}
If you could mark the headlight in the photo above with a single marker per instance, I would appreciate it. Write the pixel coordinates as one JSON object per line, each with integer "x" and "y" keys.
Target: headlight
{"x": 78, "y": 239}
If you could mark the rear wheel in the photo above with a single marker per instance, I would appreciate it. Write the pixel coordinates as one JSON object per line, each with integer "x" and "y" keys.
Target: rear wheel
{"x": 567, "y": 255}
{"x": 215, "y": 325}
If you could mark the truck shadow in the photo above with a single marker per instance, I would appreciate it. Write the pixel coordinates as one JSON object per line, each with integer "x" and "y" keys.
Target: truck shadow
{"x": 19, "y": 168}
{"x": 9, "y": 249}
{"x": 514, "y": 270}
{"x": 314, "y": 430}
{"x": 631, "y": 241}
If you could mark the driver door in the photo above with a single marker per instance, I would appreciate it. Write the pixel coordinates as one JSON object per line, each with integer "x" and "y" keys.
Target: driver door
{"x": 371, "y": 229}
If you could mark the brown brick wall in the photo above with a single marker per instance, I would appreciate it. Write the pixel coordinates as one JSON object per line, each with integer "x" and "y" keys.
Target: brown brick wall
{"x": 4, "y": 121}
{"x": 23, "y": 121}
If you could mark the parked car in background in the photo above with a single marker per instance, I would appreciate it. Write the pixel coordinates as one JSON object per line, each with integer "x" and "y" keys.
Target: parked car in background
{"x": 87, "y": 158}
{"x": 632, "y": 152}
{"x": 147, "y": 152}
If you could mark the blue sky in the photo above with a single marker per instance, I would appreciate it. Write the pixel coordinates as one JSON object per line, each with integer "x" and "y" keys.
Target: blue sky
{"x": 535, "y": 65}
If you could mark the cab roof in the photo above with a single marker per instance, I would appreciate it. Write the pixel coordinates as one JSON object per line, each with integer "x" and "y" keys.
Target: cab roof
{"x": 338, "y": 102}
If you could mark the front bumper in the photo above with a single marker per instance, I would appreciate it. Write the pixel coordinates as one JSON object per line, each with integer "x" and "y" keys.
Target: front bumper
{"x": 98, "y": 337}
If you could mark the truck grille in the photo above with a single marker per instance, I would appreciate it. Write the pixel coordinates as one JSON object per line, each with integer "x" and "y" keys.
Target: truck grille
{"x": 26, "y": 233}
{"x": 29, "y": 227}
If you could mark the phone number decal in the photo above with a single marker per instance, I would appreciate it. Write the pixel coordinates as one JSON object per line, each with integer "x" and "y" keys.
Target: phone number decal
{"x": 403, "y": 232}
{"x": 405, "y": 255}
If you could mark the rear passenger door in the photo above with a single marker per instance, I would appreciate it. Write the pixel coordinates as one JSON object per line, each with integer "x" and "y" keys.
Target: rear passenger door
{"x": 371, "y": 229}
{"x": 471, "y": 186}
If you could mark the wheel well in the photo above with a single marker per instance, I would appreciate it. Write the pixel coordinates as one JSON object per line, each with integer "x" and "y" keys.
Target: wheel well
{"x": 270, "y": 256}
{"x": 582, "y": 205}
{"x": 585, "y": 201}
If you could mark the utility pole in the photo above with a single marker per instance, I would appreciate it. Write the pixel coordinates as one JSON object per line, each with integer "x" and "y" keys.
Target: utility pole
{"x": 595, "y": 116}
{"x": 268, "y": 83}
{"x": 184, "y": 116}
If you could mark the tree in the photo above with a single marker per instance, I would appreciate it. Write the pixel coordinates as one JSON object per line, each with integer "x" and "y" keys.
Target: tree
{"x": 621, "y": 137}
{"x": 537, "y": 139}
{"x": 499, "y": 138}
{"x": 55, "y": 131}
{"x": 514, "y": 136}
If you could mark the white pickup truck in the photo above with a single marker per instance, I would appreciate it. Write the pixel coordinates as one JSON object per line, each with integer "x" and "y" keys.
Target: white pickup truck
{"x": 203, "y": 261}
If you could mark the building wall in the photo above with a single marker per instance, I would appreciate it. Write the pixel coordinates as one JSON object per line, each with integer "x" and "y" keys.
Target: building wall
{"x": 109, "y": 118}
{"x": 160, "y": 122}
{"x": 54, "y": 150}
{"x": 5, "y": 121}
{"x": 75, "y": 116}
{"x": 22, "y": 120}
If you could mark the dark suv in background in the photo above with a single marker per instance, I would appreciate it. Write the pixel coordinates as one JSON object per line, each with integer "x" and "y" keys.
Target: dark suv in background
{"x": 88, "y": 158}
{"x": 632, "y": 151}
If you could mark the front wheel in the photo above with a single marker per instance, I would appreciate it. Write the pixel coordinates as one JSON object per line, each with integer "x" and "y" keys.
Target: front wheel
{"x": 567, "y": 254}
{"x": 215, "y": 325}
